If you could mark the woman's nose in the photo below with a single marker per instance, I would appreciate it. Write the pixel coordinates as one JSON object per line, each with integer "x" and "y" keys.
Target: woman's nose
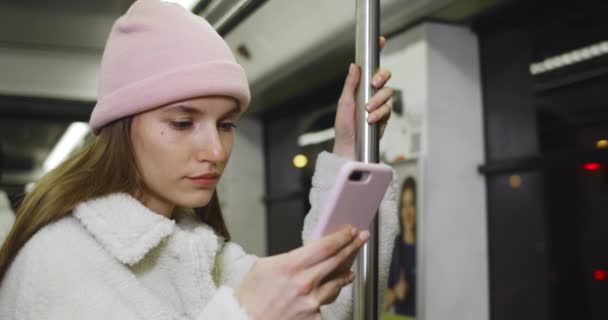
{"x": 211, "y": 148}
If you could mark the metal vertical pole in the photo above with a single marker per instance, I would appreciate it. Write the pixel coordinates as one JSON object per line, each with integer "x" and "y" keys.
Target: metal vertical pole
{"x": 365, "y": 291}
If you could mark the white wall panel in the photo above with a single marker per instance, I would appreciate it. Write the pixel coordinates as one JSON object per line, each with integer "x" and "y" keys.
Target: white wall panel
{"x": 437, "y": 68}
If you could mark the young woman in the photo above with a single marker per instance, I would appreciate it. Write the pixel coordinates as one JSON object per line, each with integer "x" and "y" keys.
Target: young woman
{"x": 130, "y": 227}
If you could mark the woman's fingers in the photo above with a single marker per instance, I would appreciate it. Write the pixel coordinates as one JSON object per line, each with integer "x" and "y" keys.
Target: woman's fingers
{"x": 319, "y": 272}
{"x": 383, "y": 128}
{"x": 381, "y": 115}
{"x": 381, "y": 77}
{"x": 381, "y": 97}
{"x": 350, "y": 86}
{"x": 329, "y": 291}
{"x": 352, "y": 80}
{"x": 382, "y": 42}
{"x": 345, "y": 266}
{"x": 323, "y": 248}
{"x": 378, "y": 81}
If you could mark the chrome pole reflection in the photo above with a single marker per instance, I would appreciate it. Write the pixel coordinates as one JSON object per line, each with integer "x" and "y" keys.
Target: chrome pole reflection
{"x": 365, "y": 286}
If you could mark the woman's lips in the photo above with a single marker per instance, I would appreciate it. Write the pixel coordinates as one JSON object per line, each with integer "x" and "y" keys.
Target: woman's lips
{"x": 205, "y": 180}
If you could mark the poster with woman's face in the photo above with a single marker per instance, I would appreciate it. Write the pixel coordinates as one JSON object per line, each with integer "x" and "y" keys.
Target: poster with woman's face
{"x": 400, "y": 299}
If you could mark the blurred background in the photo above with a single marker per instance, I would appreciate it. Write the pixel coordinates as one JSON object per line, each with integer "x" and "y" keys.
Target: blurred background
{"x": 499, "y": 113}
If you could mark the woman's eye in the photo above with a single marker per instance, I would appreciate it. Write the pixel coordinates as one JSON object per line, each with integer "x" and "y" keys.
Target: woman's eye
{"x": 181, "y": 125}
{"x": 227, "y": 126}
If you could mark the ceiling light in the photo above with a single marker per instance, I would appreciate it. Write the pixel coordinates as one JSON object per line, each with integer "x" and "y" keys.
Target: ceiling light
{"x": 515, "y": 181}
{"x": 576, "y": 56}
{"x": 188, "y": 4}
{"x": 29, "y": 187}
{"x": 300, "y": 161}
{"x": 316, "y": 137}
{"x": 66, "y": 145}
{"x": 602, "y": 144}
{"x": 569, "y": 58}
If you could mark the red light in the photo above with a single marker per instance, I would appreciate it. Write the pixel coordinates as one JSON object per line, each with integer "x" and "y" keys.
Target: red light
{"x": 599, "y": 275}
{"x": 592, "y": 166}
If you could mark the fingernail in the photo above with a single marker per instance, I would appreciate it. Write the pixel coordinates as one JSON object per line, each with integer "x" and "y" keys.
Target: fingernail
{"x": 353, "y": 231}
{"x": 371, "y": 118}
{"x": 377, "y": 80}
{"x": 351, "y": 68}
{"x": 351, "y": 276}
{"x": 369, "y": 106}
{"x": 364, "y": 235}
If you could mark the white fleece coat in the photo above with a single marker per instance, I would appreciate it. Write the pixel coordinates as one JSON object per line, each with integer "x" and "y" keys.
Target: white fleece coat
{"x": 115, "y": 259}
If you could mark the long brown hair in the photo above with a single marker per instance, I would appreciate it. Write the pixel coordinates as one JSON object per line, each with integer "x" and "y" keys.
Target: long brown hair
{"x": 104, "y": 166}
{"x": 408, "y": 183}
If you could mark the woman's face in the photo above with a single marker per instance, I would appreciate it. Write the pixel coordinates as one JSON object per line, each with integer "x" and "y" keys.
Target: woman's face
{"x": 181, "y": 150}
{"x": 408, "y": 208}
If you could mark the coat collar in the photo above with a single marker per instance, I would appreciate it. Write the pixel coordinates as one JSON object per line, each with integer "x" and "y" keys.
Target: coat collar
{"x": 123, "y": 225}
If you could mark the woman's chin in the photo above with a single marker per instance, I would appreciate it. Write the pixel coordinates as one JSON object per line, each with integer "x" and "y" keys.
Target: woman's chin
{"x": 197, "y": 199}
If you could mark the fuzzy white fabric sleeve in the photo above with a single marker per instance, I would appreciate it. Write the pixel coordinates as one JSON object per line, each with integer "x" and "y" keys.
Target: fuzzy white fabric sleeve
{"x": 223, "y": 306}
{"x": 231, "y": 265}
{"x": 326, "y": 171}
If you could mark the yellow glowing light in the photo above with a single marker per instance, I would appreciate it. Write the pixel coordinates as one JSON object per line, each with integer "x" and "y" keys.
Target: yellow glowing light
{"x": 602, "y": 144}
{"x": 515, "y": 181}
{"x": 300, "y": 161}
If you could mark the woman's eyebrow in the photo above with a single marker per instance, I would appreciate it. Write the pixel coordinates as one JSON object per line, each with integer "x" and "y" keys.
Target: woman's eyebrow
{"x": 233, "y": 112}
{"x": 181, "y": 108}
{"x": 190, "y": 110}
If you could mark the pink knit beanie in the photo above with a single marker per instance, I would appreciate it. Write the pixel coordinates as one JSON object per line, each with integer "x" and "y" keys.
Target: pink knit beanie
{"x": 159, "y": 53}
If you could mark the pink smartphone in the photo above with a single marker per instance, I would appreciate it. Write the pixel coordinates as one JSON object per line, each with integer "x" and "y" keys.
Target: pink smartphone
{"x": 354, "y": 198}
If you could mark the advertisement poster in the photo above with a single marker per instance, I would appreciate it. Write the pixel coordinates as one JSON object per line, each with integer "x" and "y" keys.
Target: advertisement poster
{"x": 400, "y": 298}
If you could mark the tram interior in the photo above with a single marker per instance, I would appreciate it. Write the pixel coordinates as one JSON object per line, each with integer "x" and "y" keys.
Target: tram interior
{"x": 543, "y": 78}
